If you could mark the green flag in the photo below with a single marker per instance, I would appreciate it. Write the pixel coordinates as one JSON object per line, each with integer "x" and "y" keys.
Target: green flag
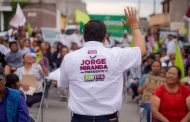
{"x": 179, "y": 60}
{"x": 156, "y": 47}
{"x": 29, "y": 29}
{"x": 81, "y": 17}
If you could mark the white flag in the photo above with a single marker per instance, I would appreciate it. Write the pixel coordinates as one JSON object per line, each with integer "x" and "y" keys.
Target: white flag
{"x": 19, "y": 18}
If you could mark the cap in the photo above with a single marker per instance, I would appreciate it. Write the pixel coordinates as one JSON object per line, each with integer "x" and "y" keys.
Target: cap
{"x": 33, "y": 55}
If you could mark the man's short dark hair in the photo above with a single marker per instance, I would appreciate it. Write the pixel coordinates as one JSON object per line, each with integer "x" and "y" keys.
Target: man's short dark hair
{"x": 94, "y": 30}
{"x": 11, "y": 43}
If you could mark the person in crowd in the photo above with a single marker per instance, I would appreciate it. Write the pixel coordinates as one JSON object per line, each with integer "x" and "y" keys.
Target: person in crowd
{"x": 57, "y": 46}
{"x": 146, "y": 67}
{"x": 172, "y": 60}
{"x": 89, "y": 97}
{"x": 64, "y": 51}
{"x": 35, "y": 44}
{"x": 3, "y": 49}
{"x": 110, "y": 42}
{"x": 186, "y": 80}
{"x": 22, "y": 47}
{"x": 63, "y": 38}
{"x": 43, "y": 58}
{"x": 3, "y": 52}
{"x": 76, "y": 37}
{"x": 164, "y": 58}
{"x": 149, "y": 38}
{"x": 30, "y": 68}
{"x": 125, "y": 42}
{"x": 188, "y": 59}
{"x": 74, "y": 47}
{"x": 157, "y": 56}
{"x": 170, "y": 45}
{"x": 43, "y": 47}
{"x": 156, "y": 43}
{"x": 28, "y": 45}
{"x": 144, "y": 82}
{"x": 13, "y": 107}
{"x": 135, "y": 75}
{"x": 184, "y": 56}
{"x": 13, "y": 58}
{"x": 155, "y": 70}
{"x": 163, "y": 71}
{"x": 171, "y": 101}
{"x": 12, "y": 81}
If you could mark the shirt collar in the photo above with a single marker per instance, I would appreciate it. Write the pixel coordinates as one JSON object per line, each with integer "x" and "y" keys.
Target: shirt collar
{"x": 93, "y": 44}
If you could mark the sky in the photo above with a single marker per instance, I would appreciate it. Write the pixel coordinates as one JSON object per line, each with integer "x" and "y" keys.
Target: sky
{"x": 115, "y": 7}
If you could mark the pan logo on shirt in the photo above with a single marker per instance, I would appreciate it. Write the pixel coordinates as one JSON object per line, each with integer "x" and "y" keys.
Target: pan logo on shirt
{"x": 94, "y": 69}
{"x": 97, "y": 77}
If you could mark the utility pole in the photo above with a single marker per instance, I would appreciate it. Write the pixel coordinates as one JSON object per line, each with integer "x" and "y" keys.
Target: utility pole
{"x": 154, "y": 9}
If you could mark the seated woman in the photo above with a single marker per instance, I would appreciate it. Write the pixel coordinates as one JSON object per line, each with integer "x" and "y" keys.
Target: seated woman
{"x": 144, "y": 82}
{"x": 171, "y": 101}
{"x": 39, "y": 71}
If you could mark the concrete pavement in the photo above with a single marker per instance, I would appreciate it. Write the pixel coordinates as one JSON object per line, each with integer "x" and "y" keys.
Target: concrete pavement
{"x": 57, "y": 110}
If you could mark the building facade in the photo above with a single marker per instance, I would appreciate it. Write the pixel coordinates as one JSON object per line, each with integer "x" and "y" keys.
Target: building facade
{"x": 173, "y": 12}
{"x": 176, "y": 9}
{"x": 51, "y": 13}
{"x": 3, "y": 9}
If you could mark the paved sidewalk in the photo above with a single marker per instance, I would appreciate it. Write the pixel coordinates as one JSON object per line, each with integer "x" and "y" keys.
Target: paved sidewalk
{"x": 57, "y": 110}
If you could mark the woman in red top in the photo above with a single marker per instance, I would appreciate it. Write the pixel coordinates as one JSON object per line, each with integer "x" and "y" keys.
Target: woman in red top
{"x": 171, "y": 101}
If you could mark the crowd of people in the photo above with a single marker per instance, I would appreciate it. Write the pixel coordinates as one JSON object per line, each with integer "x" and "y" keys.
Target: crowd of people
{"x": 22, "y": 54}
{"x": 160, "y": 62}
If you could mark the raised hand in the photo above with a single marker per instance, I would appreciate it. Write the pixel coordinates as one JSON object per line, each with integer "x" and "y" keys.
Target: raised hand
{"x": 131, "y": 17}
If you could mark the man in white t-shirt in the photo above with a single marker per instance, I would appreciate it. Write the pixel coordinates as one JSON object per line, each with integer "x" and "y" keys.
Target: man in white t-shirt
{"x": 94, "y": 74}
{"x": 170, "y": 45}
{"x": 76, "y": 38}
{"x": 63, "y": 38}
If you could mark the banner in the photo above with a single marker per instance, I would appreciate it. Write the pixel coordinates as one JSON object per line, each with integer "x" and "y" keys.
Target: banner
{"x": 113, "y": 24}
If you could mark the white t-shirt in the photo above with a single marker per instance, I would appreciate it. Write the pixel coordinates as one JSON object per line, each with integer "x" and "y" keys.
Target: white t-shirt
{"x": 94, "y": 75}
{"x": 64, "y": 40}
{"x": 171, "y": 45}
{"x": 77, "y": 38}
{"x": 36, "y": 70}
{"x": 4, "y": 50}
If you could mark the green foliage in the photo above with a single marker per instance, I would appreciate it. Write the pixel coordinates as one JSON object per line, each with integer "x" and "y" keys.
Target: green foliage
{"x": 9, "y": 15}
